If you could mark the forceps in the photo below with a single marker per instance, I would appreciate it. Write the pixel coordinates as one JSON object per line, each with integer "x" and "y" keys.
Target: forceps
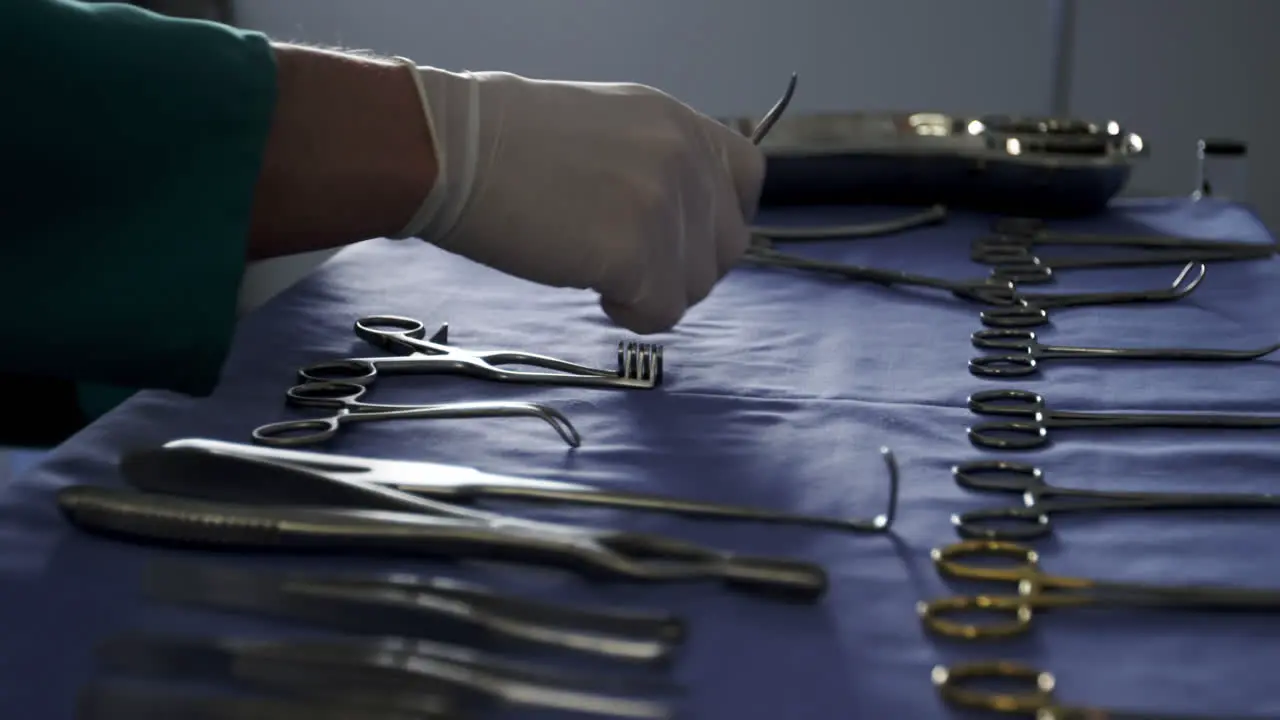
{"x": 929, "y": 216}
{"x": 987, "y": 291}
{"x": 381, "y": 675}
{"x": 1011, "y": 308}
{"x": 956, "y": 686}
{"x": 1027, "y": 352}
{"x": 639, "y": 364}
{"x": 1030, "y": 232}
{"x": 463, "y": 485}
{"x": 344, "y": 398}
{"x": 1042, "y": 500}
{"x": 280, "y": 519}
{"x": 403, "y": 605}
{"x": 209, "y": 499}
{"x": 1017, "y": 263}
{"x": 1030, "y": 309}
{"x": 1033, "y": 431}
{"x": 112, "y": 701}
{"x": 1038, "y": 590}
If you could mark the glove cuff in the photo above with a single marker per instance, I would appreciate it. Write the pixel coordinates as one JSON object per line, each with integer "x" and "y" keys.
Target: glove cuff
{"x": 451, "y": 108}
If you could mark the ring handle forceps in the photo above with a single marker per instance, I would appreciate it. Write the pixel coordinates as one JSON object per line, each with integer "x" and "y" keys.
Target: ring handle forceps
{"x": 1041, "y": 501}
{"x": 344, "y": 398}
{"x": 1025, "y": 353}
{"x": 1017, "y": 263}
{"x": 462, "y": 485}
{"x": 639, "y": 364}
{"x": 209, "y": 499}
{"x": 1031, "y": 309}
{"x": 1032, "y": 431}
{"x": 960, "y": 687}
{"x": 1038, "y": 590}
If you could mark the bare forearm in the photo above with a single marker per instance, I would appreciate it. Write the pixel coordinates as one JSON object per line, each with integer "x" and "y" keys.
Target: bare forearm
{"x": 349, "y": 156}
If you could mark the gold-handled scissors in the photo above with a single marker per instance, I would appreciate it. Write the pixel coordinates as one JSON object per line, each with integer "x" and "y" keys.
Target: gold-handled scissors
{"x": 959, "y": 687}
{"x": 1037, "y": 590}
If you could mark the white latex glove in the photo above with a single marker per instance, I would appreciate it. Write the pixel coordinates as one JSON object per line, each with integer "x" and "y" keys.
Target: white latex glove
{"x": 618, "y": 188}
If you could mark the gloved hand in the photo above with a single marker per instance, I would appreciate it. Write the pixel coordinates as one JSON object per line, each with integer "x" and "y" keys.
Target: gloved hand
{"x": 618, "y": 188}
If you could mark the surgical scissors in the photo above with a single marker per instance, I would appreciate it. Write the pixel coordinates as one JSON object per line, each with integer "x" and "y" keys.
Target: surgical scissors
{"x": 344, "y": 399}
{"x": 1033, "y": 430}
{"x": 1038, "y": 590}
{"x": 639, "y": 364}
{"x": 1030, "y": 309}
{"x": 1042, "y": 500}
{"x": 1027, "y": 352}
{"x": 463, "y": 485}
{"x": 955, "y": 685}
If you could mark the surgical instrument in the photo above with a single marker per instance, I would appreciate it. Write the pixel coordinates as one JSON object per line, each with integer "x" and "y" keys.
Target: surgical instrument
{"x": 455, "y": 484}
{"x": 1031, "y": 232}
{"x": 994, "y": 248}
{"x": 1030, "y": 309}
{"x": 639, "y": 364}
{"x": 987, "y": 291}
{"x": 344, "y": 399}
{"x": 404, "y": 605}
{"x": 1042, "y": 500}
{"x": 775, "y": 113}
{"x": 956, "y": 686}
{"x": 114, "y": 701}
{"x": 929, "y": 216}
{"x": 1017, "y": 264}
{"x": 605, "y": 554}
{"x": 1037, "y": 590}
{"x": 376, "y": 674}
{"x": 1032, "y": 430}
{"x": 934, "y": 214}
{"x": 1012, "y": 308}
{"x": 1024, "y": 353}
{"x": 138, "y": 652}
{"x": 223, "y": 478}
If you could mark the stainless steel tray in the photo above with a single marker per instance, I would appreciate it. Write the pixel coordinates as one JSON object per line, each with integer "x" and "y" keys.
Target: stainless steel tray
{"x": 1007, "y": 164}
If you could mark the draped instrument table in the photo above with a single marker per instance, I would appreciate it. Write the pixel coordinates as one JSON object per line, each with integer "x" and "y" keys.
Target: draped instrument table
{"x": 779, "y": 391}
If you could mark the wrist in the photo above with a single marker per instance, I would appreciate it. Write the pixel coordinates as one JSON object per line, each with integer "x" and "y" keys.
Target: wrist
{"x": 449, "y": 104}
{"x": 349, "y": 155}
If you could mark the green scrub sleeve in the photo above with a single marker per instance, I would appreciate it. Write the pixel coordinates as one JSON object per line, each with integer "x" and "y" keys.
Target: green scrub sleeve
{"x": 132, "y": 144}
